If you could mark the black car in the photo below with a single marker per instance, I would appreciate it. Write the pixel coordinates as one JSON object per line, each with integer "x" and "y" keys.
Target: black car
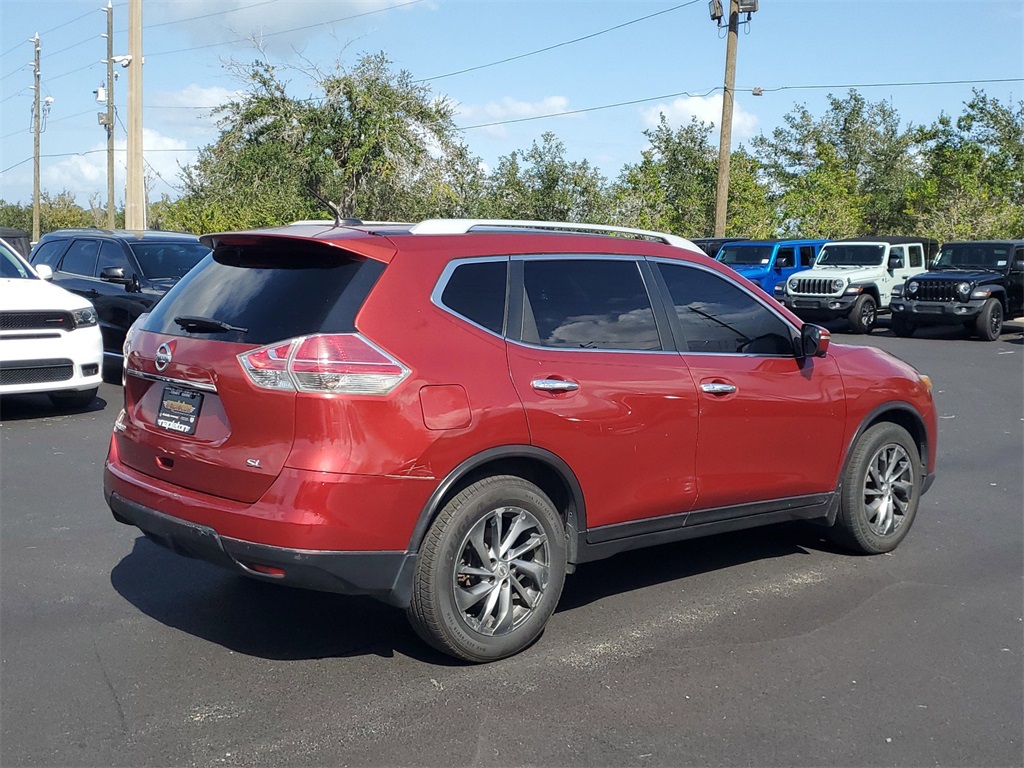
{"x": 122, "y": 273}
{"x": 711, "y": 245}
{"x": 976, "y": 283}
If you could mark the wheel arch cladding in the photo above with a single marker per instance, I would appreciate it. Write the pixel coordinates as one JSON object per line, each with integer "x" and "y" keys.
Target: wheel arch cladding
{"x": 535, "y": 465}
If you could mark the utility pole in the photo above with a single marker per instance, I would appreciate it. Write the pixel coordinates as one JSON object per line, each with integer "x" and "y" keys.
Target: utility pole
{"x": 725, "y": 140}
{"x": 36, "y": 127}
{"x": 111, "y": 221}
{"x": 135, "y": 198}
{"x": 736, "y": 7}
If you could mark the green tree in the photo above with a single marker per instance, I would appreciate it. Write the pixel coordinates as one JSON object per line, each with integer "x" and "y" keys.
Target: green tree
{"x": 858, "y": 150}
{"x": 541, "y": 184}
{"x": 672, "y": 188}
{"x": 973, "y": 186}
{"x": 370, "y": 140}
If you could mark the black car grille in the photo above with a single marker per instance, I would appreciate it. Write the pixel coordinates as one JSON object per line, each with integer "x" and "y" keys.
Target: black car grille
{"x": 820, "y": 286}
{"x": 23, "y": 321}
{"x": 35, "y": 371}
{"x": 935, "y": 290}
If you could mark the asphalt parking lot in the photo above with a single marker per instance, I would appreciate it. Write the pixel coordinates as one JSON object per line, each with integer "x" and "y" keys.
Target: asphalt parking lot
{"x": 766, "y": 647}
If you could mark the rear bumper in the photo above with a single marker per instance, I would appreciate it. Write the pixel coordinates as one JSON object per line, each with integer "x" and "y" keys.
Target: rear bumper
{"x": 386, "y": 576}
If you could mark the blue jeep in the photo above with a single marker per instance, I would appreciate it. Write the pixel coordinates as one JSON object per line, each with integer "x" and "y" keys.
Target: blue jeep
{"x": 767, "y": 262}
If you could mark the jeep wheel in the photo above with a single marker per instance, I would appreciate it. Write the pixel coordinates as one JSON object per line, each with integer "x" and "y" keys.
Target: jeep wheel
{"x": 490, "y": 571}
{"x": 863, "y": 314}
{"x": 881, "y": 491}
{"x": 902, "y": 327}
{"x": 989, "y": 323}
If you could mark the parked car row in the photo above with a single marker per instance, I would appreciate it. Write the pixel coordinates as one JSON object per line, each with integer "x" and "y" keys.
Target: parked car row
{"x": 976, "y": 284}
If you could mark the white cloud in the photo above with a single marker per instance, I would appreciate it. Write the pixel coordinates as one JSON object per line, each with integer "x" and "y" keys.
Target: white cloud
{"x": 510, "y": 109}
{"x": 85, "y": 175}
{"x": 706, "y": 109}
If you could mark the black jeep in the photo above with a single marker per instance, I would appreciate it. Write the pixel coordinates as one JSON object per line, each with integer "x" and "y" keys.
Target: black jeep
{"x": 976, "y": 284}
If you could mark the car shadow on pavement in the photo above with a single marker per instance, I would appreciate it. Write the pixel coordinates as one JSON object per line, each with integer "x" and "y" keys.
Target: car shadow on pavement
{"x": 642, "y": 568}
{"x": 39, "y": 406}
{"x": 281, "y": 623}
{"x": 270, "y": 621}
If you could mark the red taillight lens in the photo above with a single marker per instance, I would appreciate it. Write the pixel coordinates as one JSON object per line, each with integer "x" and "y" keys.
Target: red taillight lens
{"x": 330, "y": 363}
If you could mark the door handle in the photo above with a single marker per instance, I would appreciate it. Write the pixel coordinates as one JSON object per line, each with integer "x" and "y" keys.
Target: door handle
{"x": 554, "y": 385}
{"x": 718, "y": 388}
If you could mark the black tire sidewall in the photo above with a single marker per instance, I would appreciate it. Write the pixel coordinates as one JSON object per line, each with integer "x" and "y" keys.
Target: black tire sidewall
{"x": 852, "y": 522}
{"x": 983, "y": 325}
{"x": 855, "y": 314}
{"x": 454, "y": 523}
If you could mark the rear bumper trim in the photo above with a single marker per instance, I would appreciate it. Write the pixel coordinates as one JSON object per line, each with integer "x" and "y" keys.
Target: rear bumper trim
{"x": 386, "y": 576}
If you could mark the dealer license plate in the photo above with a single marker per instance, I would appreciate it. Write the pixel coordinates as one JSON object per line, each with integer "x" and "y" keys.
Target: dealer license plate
{"x": 179, "y": 410}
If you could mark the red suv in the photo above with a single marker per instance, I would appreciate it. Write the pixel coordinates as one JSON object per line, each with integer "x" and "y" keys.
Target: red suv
{"x": 449, "y": 416}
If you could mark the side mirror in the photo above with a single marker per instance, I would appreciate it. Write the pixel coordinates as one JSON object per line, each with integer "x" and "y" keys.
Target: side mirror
{"x": 44, "y": 271}
{"x": 114, "y": 275}
{"x": 1017, "y": 266}
{"x": 814, "y": 341}
{"x": 895, "y": 262}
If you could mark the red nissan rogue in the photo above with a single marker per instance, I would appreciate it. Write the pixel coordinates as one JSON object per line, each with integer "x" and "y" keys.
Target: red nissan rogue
{"x": 450, "y": 416}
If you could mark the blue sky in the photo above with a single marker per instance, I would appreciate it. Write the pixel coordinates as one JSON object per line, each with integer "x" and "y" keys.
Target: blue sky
{"x": 673, "y": 62}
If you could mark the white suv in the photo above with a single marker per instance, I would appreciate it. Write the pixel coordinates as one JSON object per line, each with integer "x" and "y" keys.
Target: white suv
{"x": 49, "y": 338}
{"x": 853, "y": 279}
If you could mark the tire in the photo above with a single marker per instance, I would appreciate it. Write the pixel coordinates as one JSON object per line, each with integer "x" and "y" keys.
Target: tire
{"x": 989, "y": 323}
{"x": 902, "y": 327}
{"x": 864, "y": 314}
{"x": 73, "y": 401}
{"x": 472, "y": 600}
{"x": 881, "y": 491}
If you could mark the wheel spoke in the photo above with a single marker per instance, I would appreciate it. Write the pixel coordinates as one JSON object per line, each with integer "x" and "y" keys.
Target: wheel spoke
{"x": 522, "y": 592}
{"x": 531, "y": 544}
{"x": 471, "y": 570}
{"x": 476, "y": 539}
{"x": 488, "y": 609}
{"x": 519, "y": 525}
{"x": 494, "y": 524}
{"x": 503, "y": 622}
{"x": 467, "y": 598}
{"x": 536, "y": 572}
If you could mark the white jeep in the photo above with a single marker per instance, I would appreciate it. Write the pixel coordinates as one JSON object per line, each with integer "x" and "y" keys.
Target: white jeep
{"x": 853, "y": 279}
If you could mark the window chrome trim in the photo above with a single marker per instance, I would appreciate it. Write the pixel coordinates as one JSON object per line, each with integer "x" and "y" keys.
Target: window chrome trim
{"x": 202, "y": 385}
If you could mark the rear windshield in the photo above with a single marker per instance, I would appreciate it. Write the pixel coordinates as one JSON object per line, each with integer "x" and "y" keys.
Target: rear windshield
{"x": 269, "y": 294}
{"x": 746, "y": 254}
{"x": 170, "y": 259}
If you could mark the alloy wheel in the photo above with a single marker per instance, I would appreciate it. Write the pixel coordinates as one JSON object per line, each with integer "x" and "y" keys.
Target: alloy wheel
{"x": 502, "y": 571}
{"x": 888, "y": 489}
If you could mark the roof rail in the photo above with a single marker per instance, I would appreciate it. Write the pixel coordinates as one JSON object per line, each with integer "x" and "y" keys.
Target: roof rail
{"x": 462, "y": 226}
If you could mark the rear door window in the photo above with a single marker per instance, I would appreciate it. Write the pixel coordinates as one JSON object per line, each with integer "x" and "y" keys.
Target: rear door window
{"x": 81, "y": 258}
{"x": 49, "y": 253}
{"x": 587, "y": 304}
{"x": 271, "y": 292}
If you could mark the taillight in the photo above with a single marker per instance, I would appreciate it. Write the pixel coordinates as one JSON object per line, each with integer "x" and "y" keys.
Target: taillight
{"x": 343, "y": 363}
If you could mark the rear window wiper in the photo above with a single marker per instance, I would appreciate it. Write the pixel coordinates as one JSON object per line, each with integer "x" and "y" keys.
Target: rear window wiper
{"x": 205, "y": 325}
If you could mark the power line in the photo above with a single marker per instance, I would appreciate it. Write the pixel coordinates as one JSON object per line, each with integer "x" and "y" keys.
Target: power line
{"x": 294, "y": 29}
{"x": 718, "y": 88}
{"x": 559, "y": 45}
{"x": 93, "y": 152}
{"x": 59, "y": 26}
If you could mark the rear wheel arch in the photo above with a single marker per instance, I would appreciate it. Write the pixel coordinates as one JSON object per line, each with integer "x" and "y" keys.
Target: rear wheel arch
{"x": 535, "y": 465}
